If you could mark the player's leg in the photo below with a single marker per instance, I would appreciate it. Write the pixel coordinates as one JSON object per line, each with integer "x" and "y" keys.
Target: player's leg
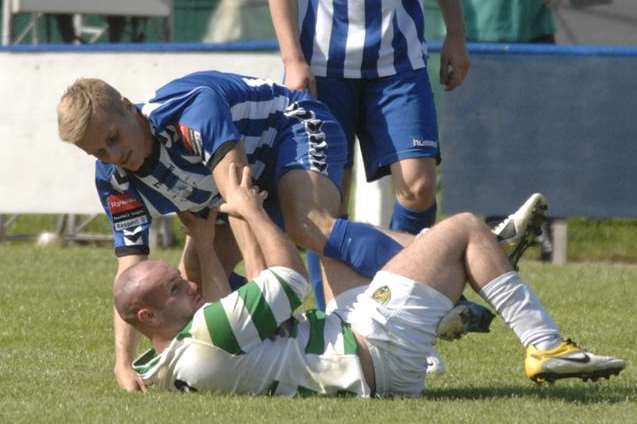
{"x": 309, "y": 171}
{"x": 309, "y": 203}
{"x": 341, "y": 97}
{"x": 463, "y": 246}
{"x": 444, "y": 257}
{"x": 518, "y": 230}
{"x": 399, "y": 134}
{"x": 415, "y": 186}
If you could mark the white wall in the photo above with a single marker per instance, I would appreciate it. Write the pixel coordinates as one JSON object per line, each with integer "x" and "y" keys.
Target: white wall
{"x": 41, "y": 174}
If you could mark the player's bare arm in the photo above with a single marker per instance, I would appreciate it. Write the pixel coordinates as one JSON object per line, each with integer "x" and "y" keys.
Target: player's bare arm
{"x": 298, "y": 75}
{"x": 454, "y": 59}
{"x": 213, "y": 284}
{"x": 252, "y": 255}
{"x": 126, "y": 338}
{"x": 246, "y": 202}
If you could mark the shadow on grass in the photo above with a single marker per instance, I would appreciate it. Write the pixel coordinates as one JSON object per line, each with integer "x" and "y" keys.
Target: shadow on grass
{"x": 583, "y": 395}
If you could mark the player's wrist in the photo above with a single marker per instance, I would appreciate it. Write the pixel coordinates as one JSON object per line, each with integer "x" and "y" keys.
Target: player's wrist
{"x": 457, "y": 34}
{"x": 203, "y": 245}
{"x": 294, "y": 60}
{"x": 121, "y": 368}
{"x": 254, "y": 214}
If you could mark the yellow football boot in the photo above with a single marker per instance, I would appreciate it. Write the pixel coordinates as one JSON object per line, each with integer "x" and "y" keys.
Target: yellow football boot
{"x": 569, "y": 361}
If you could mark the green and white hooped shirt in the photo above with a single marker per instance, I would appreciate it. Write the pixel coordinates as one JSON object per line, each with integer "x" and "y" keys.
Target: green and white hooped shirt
{"x": 250, "y": 342}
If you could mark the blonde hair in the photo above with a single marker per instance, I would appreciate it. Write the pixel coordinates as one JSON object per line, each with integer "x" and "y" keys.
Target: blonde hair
{"x": 78, "y": 104}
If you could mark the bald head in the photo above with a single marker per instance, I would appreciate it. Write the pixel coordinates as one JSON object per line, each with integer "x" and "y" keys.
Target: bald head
{"x": 134, "y": 287}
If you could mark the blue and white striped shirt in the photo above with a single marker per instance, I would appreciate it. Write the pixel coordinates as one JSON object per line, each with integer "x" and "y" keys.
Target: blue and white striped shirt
{"x": 191, "y": 118}
{"x": 362, "y": 38}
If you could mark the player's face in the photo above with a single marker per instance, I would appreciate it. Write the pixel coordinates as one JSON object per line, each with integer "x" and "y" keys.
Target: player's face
{"x": 123, "y": 140}
{"x": 176, "y": 299}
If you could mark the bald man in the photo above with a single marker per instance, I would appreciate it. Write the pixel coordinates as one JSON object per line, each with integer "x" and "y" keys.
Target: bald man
{"x": 249, "y": 341}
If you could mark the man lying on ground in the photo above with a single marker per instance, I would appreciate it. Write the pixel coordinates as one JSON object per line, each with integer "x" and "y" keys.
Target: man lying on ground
{"x": 249, "y": 341}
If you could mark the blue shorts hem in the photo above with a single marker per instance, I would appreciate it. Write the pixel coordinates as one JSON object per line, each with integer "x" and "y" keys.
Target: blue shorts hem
{"x": 382, "y": 169}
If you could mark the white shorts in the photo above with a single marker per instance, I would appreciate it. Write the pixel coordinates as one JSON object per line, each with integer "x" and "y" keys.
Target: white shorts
{"x": 398, "y": 318}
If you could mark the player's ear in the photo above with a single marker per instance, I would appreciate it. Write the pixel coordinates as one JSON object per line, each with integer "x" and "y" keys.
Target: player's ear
{"x": 144, "y": 315}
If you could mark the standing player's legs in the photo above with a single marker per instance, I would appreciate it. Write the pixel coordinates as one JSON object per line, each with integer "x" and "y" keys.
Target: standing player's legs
{"x": 399, "y": 135}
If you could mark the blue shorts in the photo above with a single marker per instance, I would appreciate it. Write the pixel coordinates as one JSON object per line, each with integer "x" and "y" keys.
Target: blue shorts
{"x": 312, "y": 140}
{"x": 393, "y": 117}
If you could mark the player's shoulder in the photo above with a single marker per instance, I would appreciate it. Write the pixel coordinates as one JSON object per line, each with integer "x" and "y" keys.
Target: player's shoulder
{"x": 103, "y": 170}
{"x": 107, "y": 171}
{"x": 283, "y": 274}
{"x": 111, "y": 177}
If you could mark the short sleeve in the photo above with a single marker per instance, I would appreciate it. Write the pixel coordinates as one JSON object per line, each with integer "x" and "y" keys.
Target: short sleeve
{"x": 130, "y": 221}
{"x": 240, "y": 321}
{"x": 206, "y": 125}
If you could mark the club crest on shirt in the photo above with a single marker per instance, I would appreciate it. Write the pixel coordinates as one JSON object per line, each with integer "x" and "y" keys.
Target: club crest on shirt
{"x": 382, "y": 295}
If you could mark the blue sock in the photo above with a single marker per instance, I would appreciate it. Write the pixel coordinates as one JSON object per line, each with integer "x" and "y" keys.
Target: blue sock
{"x": 236, "y": 281}
{"x": 361, "y": 246}
{"x": 314, "y": 269}
{"x": 316, "y": 278}
{"x": 410, "y": 221}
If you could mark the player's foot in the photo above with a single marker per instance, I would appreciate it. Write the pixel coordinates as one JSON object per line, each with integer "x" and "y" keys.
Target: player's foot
{"x": 522, "y": 227}
{"x": 463, "y": 318}
{"x": 435, "y": 364}
{"x": 569, "y": 361}
{"x": 528, "y": 217}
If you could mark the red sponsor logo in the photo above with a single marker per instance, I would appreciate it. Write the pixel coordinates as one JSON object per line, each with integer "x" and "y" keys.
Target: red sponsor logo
{"x": 186, "y": 136}
{"x": 120, "y": 203}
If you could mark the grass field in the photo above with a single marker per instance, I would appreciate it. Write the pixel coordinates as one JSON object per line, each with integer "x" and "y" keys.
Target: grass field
{"x": 56, "y": 355}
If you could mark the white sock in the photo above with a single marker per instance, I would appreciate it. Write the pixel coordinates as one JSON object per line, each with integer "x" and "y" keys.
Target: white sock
{"x": 521, "y": 309}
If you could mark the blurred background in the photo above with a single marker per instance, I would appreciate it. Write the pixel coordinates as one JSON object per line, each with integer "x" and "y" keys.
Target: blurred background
{"x": 548, "y": 106}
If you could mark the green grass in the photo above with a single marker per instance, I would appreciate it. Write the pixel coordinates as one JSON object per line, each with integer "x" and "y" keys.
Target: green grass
{"x": 56, "y": 355}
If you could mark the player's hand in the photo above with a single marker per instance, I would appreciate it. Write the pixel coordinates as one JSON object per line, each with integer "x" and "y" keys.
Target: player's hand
{"x": 298, "y": 76}
{"x": 454, "y": 62}
{"x": 199, "y": 229}
{"x": 129, "y": 380}
{"x": 242, "y": 198}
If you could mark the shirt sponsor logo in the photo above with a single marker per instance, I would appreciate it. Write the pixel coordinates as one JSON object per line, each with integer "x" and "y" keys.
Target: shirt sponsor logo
{"x": 126, "y": 211}
{"x": 419, "y": 142}
{"x": 131, "y": 222}
{"x": 122, "y": 203}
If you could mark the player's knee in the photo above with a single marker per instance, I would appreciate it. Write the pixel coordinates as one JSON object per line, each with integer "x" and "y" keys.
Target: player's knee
{"x": 469, "y": 221}
{"x": 418, "y": 194}
{"x": 310, "y": 231}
